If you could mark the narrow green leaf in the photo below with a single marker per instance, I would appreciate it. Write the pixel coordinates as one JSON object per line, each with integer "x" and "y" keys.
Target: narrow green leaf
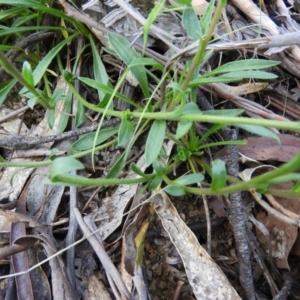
{"x": 41, "y": 7}
{"x": 80, "y": 116}
{"x": 184, "y": 2}
{"x": 58, "y": 95}
{"x": 68, "y": 76}
{"x": 243, "y": 65}
{"x": 125, "y": 131}
{"x": 137, "y": 170}
{"x": 6, "y": 89}
{"x": 296, "y": 187}
{"x": 158, "y": 167}
{"x": 155, "y": 141}
{"x": 124, "y": 50}
{"x": 87, "y": 141}
{"x": 191, "y": 109}
{"x": 260, "y": 130}
{"x": 191, "y": 23}
{"x": 27, "y": 73}
{"x": 63, "y": 165}
{"x": 31, "y": 102}
{"x": 213, "y": 129}
{"x": 182, "y": 128}
{"x": 19, "y": 30}
{"x": 154, "y": 183}
{"x": 45, "y": 62}
{"x": 207, "y": 17}
{"x": 184, "y": 125}
{"x": 155, "y": 11}
{"x": 218, "y": 175}
{"x": 231, "y": 77}
{"x": 98, "y": 67}
{"x": 118, "y": 166}
{"x": 50, "y": 118}
{"x": 249, "y": 74}
{"x": 105, "y": 89}
{"x": 65, "y": 115}
{"x": 8, "y": 13}
{"x": 222, "y": 143}
{"x": 27, "y": 3}
{"x": 284, "y": 178}
{"x": 188, "y": 179}
{"x": 22, "y": 20}
{"x": 175, "y": 190}
{"x": 202, "y": 80}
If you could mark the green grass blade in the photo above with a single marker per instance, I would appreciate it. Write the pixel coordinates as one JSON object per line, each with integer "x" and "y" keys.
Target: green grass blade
{"x": 155, "y": 141}
{"x": 106, "y": 89}
{"x": 63, "y": 165}
{"x": 158, "y": 7}
{"x": 191, "y": 23}
{"x": 188, "y": 179}
{"x": 5, "y": 90}
{"x": 8, "y": 13}
{"x": 26, "y": 3}
{"x": 249, "y": 74}
{"x": 218, "y": 175}
{"x": 206, "y": 19}
{"x": 126, "y": 130}
{"x": 9, "y": 31}
{"x": 261, "y": 131}
{"x": 87, "y": 141}
{"x": 99, "y": 69}
{"x": 65, "y": 115}
{"x": 243, "y": 65}
{"x": 124, "y": 50}
{"x": 45, "y": 62}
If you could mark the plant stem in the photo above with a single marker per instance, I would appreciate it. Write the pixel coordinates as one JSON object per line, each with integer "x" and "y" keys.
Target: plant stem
{"x": 194, "y": 117}
{"x": 83, "y": 181}
{"x": 203, "y": 44}
{"x": 48, "y": 162}
{"x": 289, "y": 167}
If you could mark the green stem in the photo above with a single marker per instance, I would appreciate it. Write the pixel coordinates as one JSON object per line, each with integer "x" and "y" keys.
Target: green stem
{"x": 203, "y": 44}
{"x": 201, "y": 117}
{"x": 291, "y": 166}
{"x": 83, "y": 181}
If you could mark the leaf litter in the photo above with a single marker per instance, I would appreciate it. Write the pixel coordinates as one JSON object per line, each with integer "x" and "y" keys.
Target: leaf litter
{"x": 201, "y": 273}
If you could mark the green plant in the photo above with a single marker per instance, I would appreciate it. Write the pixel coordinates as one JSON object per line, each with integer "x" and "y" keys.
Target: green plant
{"x": 151, "y": 117}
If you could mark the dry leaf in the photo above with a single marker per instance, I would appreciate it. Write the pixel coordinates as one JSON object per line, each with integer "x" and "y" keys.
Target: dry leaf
{"x": 247, "y": 174}
{"x": 96, "y": 290}
{"x": 262, "y": 148}
{"x": 247, "y": 88}
{"x": 281, "y": 235}
{"x": 205, "y": 276}
{"x": 15, "y": 217}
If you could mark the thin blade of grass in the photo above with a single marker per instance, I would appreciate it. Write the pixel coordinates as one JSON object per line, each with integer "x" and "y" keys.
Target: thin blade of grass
{"x": 124, "y": 50}
{"x": 45, "y": 62}
{"x": 155, "y": 141}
